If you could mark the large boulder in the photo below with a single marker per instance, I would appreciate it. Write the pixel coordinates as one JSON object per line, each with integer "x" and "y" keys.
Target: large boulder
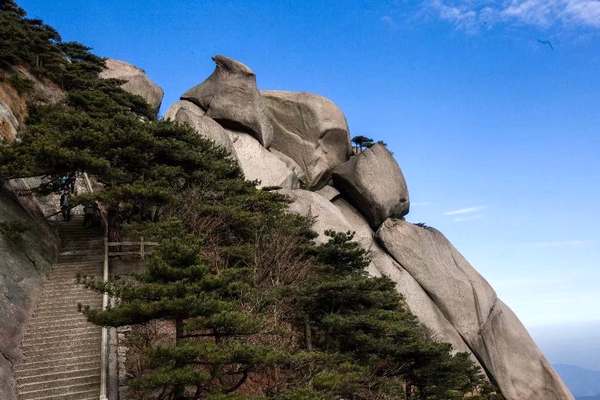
{"x": 260, "y": 164}
{"x": 311, "y": 130}
{"x": 374, "y": 183}
{"x": 469, "y": 303}
{"x": 229, "y": 96}
{"x": 135, "y": 81}
{"x": 416, "y": 298}
{"x": 342, "y": 217}
{"x": 190, "y": 114}
{"x": 327, "y": 215}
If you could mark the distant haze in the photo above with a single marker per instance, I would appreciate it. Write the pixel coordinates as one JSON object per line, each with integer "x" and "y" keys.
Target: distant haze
{"x": 573, "y": 344}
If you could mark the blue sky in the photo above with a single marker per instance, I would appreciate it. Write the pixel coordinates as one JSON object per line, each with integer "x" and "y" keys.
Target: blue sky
{"x": 498, "y": 134}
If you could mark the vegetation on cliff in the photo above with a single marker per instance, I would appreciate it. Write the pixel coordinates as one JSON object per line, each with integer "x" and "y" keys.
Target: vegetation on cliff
{"x": 252, "y": 306}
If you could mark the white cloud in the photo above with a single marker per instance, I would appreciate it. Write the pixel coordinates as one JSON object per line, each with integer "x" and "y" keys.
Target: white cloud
{"x": 474, "y": 14}
{"x": 465, "y": 211}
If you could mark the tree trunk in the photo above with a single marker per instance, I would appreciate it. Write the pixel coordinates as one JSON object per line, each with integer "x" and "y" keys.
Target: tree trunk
{"x": 308, "y": 335}
{"x": 179, "y": 390}
{"x": 114, "y": 225}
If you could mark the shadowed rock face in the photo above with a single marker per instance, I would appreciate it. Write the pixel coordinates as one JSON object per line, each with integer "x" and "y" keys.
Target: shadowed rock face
{"x": 136, "y": 81}
{"x": 230, "y": 97}
{"x": 260, "y": 164}
{"x": 374, "y": 184}
{"x": 188, "y": 113}
{"x": 488, "y": 326}
{"x": 311, "y": 130}
{"x": 21, "y": 271}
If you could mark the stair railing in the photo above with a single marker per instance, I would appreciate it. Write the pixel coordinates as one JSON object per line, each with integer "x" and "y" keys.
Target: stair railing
{"x": 105, "y": 267}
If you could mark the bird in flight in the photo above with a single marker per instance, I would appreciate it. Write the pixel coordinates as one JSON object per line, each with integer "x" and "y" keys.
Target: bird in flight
{"x": 546, "y": 43}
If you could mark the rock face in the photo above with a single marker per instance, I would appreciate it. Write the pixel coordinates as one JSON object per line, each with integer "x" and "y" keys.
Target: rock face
{"x": 311, "y": 130}
{"x": 188, "y": 113}
{"x": 489, "y": 328}
{"x": 309, "y": 142}
{"x": 258, "y": 163}
{"x": 22, "y": 266}
{"x": 136, "y": 81}
{"x": 373, "y": 182}
{"x": 230, "y": 97}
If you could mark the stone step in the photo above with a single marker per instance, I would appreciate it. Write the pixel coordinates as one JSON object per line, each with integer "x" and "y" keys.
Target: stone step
{"x": 61, "y": 318}
{"x": 67, "y": 306}
{"x": 84, "y": 395}
{"x": 53, "y": 328}
{"x": 57, "y": 392}
{"x": 31, "y": 349}
{"x": 60, "y": 382}
{"x": 74, "y": 367}
{"x": 25, "y": 366}
{"x": 66, "y": 354}
{"x": 74, "y": 372}
{"x": 71, "y": 301}
{"x": 62, "y": 339}
{"x": 34, "y": 335}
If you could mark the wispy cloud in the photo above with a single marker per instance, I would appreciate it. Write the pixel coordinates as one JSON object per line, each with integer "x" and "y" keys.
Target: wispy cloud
{"x": 466, "y": 210}
{"x": 473, "y": 15}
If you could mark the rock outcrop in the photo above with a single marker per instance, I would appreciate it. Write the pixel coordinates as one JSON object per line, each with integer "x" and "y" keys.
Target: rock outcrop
{"x": 188, "y": 113}
{"x": 260, "y": 164}
{"x": 490, "y": 329}
{"x": 22, "y": 265}
{"x": 135, "y": 81}
{"x": 13, "y": 106}
{"x": 230, "y": 97}
{"x": 373, "y": 182}
{"x": 367, "y": 193}
{"x": 311, "y": 130}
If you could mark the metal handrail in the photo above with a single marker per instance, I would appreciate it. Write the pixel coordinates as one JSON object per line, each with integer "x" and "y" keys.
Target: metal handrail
{"x": 104, "y": 343}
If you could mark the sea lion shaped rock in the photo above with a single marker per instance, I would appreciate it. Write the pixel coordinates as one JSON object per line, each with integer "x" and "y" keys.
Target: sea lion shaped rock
{"x": 311, "y": 130}
{"x": 135, "y": 81}
{"x": 188, "y": 113}
{"x": 374, "y": 184}
{"x": 230, "y": 97}
{"x": 489, "y": 328}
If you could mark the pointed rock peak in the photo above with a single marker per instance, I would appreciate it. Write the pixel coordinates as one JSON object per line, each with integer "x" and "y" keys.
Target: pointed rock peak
{"x": 230, "y": 97}
{"x": 232, "y": 66}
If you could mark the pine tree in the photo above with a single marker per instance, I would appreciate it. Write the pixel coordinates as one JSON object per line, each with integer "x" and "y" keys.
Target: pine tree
{"x": 344, "y": 311}
{"x": 362, "y": 142}
{"x": 209, "y": 355}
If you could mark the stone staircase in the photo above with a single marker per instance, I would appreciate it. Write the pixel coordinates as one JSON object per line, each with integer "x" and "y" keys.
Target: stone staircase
{"x": 61, "y": 350}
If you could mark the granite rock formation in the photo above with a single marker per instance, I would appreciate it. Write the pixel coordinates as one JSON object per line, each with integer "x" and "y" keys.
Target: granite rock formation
{"x": 374, "y": 183}
{"x": 282, "y": 138}
{"x": 311, "y": 130}
{"x": 230, "y": 97}
{"x": 135, "y": 81}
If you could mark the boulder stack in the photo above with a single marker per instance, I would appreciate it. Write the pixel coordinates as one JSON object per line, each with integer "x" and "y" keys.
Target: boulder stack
{"x": 289, "y": 140}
